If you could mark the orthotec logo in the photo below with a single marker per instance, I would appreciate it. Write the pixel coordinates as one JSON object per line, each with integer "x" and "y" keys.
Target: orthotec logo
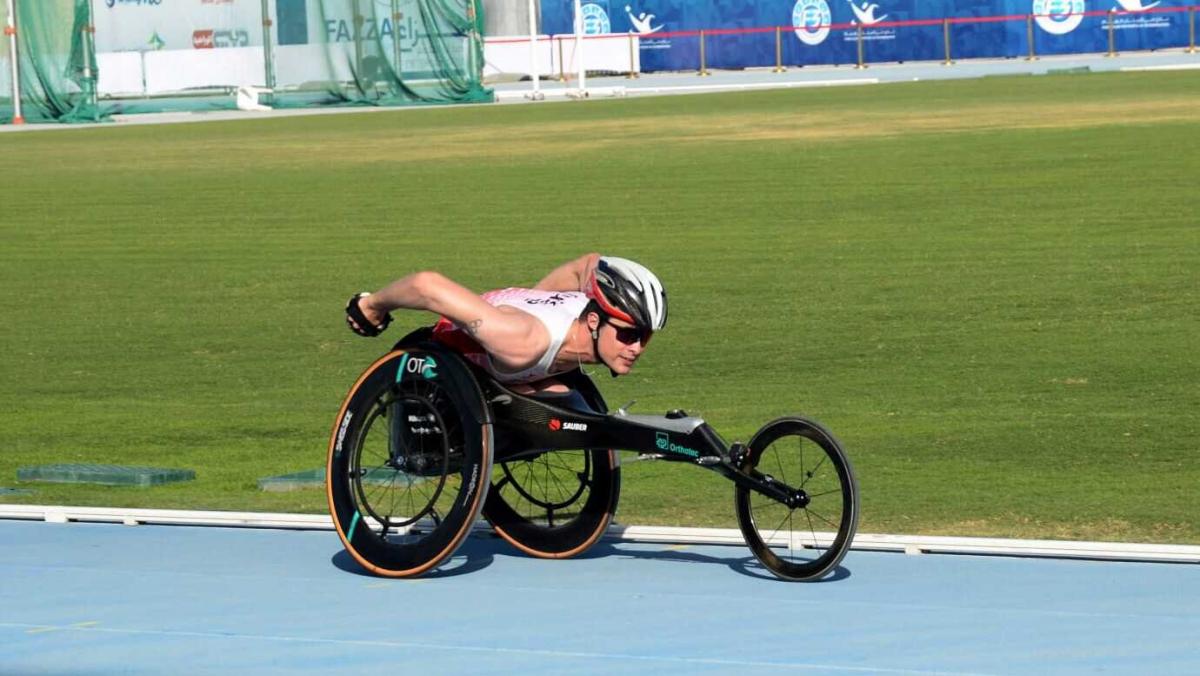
{"x": 1134, "y": 5}
{"x": 642, "y": 22}
{"x": 811, "y": 19}
{"x": 1059, "y": 17}
{"x": 866, "y": 13}
{"x": 595, "y": 19}
{"x": 663, "y": 442}
{"x": 424, "y": 366}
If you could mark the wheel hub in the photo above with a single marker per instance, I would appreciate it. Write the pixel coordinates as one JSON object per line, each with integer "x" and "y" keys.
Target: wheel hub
{"x": 799, "y": 500}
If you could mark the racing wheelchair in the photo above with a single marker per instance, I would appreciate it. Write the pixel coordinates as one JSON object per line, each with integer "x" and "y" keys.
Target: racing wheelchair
{"x": 426, "y": 442}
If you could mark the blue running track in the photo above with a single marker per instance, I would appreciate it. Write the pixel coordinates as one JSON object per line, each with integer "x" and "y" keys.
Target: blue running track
{"x": 110, "y": 599}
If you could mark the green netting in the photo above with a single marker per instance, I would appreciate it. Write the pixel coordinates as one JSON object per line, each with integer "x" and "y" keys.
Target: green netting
{"x": 139, "y": 57}
{"x": 389, "y": 52}
{"x": 56, "y": 64}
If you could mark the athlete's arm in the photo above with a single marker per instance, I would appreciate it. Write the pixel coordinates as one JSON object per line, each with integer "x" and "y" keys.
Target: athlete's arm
{"x": 513, "y": 338}
{"x": 570, "y": 276}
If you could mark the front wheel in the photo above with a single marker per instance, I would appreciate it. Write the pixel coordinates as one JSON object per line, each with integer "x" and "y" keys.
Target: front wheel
{"x": 805, "y": 538}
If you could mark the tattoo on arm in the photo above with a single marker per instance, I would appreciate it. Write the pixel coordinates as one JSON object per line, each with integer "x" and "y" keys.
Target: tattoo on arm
{"x": 472, "y": 326}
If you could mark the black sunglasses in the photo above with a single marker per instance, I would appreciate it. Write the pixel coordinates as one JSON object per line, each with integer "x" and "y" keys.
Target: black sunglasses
{"x": 628, "y": 335}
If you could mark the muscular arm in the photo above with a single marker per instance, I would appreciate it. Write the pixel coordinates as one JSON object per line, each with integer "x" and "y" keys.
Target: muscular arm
{"x": 513, "y": 338}
{"x": 570, "y": 276}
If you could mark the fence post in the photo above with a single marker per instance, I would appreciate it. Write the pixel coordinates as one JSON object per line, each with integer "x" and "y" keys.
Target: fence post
{"x": 10, "y": 29}
{"x": 946, "y": 41}
{"x": 1191, "y": 30}
{"x": 268, "y": 53}
{"x": 562, "y": 72}
{"x": 633, "y": 70}
{"x": 703, "y": 63}
{"x": 778, "y": 51}
{"x": 1029, "y": 35}
{"x": 860, "y": 64}
{"x": 1111, "y": 41}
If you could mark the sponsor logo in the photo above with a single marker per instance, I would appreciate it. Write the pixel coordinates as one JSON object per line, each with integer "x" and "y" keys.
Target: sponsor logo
{"x": 1135, "y": 22}
{"x": 231, "y": 38}
{"x": 341, "y": 436}
{"x": 136, "y": 3}
{"x": 1134, "y": 5}
{"x": 555, "y": 424}
{"x": 474, "y": 479}
{"x": 663, "y": 442}
{"x": 403, "y": 30}
{"x": 426, "y": 367}
{"x": 156, "y": 42}
{"x": 865, "y": 18}
{"x": 642, "y": 22}
{"x": 811, "y": 19}
{"x": 202, "y": 39}
{"x": 1059, "y": 17}
{"x": 424, "y": 424}
{"x": 866, "y": 13}
{"x": 554, "y": 300}
{"x": 595, "y": 19}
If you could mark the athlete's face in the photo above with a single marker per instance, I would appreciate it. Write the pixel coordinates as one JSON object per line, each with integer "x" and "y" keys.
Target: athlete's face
{"x": 621, "y": 344}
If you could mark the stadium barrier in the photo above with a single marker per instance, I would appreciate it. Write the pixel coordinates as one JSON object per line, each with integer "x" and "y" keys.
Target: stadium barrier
{"x": 941, "y": 39}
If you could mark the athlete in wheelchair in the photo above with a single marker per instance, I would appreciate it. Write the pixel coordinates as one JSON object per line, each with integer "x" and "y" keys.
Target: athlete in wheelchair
{"x": 489, "y": 412}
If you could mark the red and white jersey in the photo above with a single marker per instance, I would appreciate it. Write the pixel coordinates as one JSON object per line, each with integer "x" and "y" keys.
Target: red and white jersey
{"x": 556, "y": 310}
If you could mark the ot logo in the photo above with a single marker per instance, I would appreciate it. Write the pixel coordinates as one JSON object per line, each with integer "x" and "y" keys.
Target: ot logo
{"x": 423, "y": 366}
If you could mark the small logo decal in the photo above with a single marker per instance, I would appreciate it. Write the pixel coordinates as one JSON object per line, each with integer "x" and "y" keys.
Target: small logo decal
{"x": 426, "y": 367}
{"x": 811, "y": 19}
{"x": 1059, "y": 17}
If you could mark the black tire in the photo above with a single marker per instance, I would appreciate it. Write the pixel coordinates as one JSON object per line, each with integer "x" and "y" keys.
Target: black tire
{"x": 408, "y": 462}
{"x": 558, "y": 504}
{"x": 794, "y": 542}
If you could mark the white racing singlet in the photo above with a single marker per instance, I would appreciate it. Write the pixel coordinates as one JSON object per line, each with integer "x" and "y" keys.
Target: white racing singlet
{"x": 556, "y": 310}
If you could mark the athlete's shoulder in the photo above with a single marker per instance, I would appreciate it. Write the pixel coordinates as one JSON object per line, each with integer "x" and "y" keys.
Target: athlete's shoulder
{"x": 518, "y": 296}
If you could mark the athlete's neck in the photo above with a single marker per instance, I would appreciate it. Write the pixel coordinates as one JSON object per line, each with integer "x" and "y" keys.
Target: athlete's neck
{"x": 577, "y": 348}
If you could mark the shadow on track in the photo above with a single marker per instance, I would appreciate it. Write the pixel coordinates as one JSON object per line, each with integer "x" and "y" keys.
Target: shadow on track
{"x": 479, "y": 552}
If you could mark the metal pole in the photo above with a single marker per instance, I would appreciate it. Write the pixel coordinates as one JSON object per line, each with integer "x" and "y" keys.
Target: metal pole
{"x": 1191, "y": 30}
{"x": 562, "y": 72}
{"x": 89, "y": 48}
{"x": 1029, "y": 35}
{"x": 861, "y": 64}
{"x": 1111, "y": 42}
{"x": 397, "y": 17}
{"x": 92, "y": 50}
{"x": 268, "y": 53}
{"x": 10, "y": 29}
{"x": 703, "y": 62}
{"x": 358, "y": 46}
{"x": 579, "y": 46}
{"x": 778, "y": 51}
{"x": 534, "y": 73}
{"x": 946, "y": 41}
{"x": 633, "y": 66}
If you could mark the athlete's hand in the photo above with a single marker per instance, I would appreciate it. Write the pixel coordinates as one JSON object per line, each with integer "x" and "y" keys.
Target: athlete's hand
{"x": 363, "y": 318}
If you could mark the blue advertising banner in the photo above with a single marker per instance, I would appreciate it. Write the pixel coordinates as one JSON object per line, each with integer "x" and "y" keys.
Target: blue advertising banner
{"x": 827, "y": 31}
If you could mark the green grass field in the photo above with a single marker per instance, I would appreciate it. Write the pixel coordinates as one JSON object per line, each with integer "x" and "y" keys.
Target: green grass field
{"x": 988, "y": 289}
